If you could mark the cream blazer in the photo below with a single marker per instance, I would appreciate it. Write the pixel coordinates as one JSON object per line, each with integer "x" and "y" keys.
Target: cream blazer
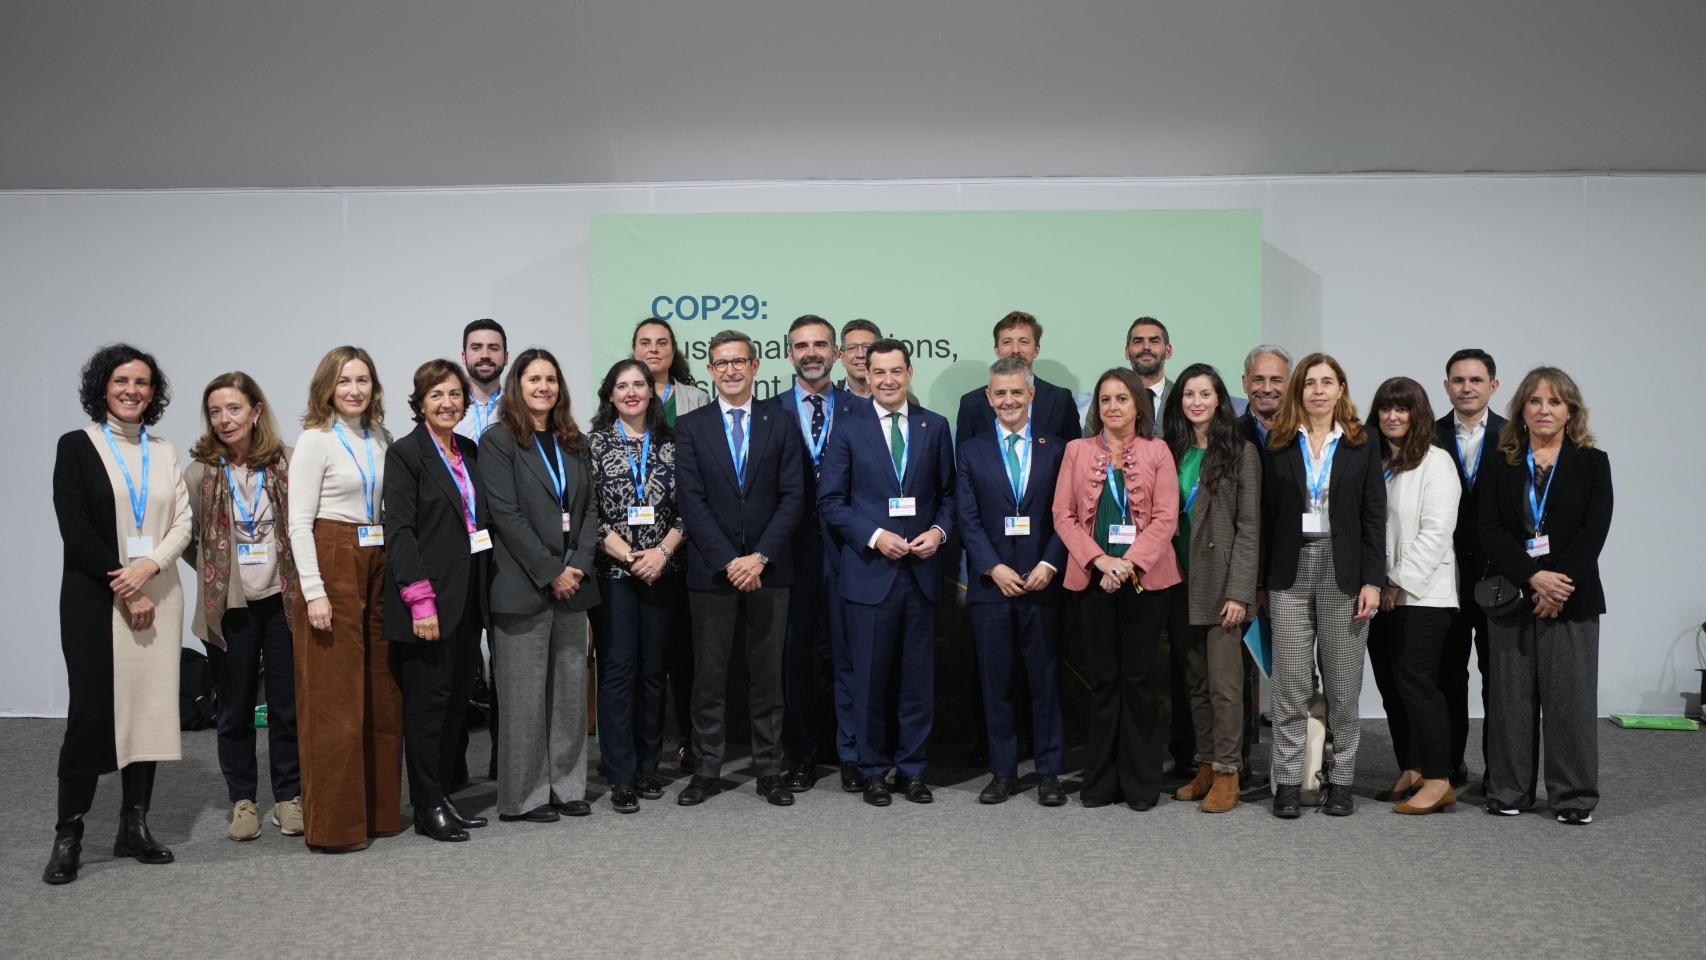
{"x": 1421, "y": 513}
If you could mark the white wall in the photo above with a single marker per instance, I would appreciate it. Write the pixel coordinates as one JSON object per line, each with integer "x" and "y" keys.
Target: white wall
{"x": 1604, "y": 276}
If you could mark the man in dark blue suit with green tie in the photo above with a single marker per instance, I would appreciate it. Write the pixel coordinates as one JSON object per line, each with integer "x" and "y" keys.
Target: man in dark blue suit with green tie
{"x": 1005, "y": 501}
{"x": 887, "y": 488}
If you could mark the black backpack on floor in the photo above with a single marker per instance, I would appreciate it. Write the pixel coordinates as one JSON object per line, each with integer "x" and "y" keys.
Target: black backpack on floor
{"x": 196, "y": 707}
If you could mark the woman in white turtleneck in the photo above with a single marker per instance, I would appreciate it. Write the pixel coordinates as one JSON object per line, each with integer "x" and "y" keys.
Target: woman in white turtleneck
{"x": 348, "y": 710}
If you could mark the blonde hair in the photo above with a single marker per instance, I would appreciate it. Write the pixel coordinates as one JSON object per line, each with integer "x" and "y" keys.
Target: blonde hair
{"x": 1513, "y": 437}
{"x": 265, "y": 447}
{"x": 320, "y": 411}
{"x": 1291, "y": 415}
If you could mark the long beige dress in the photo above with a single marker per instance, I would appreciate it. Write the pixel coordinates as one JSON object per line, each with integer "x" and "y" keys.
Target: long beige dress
{"x": 145, "y": 663}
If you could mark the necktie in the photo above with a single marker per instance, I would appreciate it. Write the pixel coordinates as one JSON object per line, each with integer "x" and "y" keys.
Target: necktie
{"x": 897, "y": 443}
{"x": 1013, "y": 471}
{"x": 1154, "y": 424}
{"x": 738, "y": 435}
{"x": 817, "y": 417}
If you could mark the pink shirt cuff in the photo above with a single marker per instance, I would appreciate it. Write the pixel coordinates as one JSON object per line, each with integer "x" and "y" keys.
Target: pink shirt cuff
{"x": 420, "y": 598}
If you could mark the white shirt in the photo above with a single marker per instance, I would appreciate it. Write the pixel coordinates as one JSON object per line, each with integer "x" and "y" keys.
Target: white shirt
{"x": 1470, "y": 438}
{"x": 745, "y": 408}
{"x": 886, "y": 419}
{"x": 478, "y": 416}
{"x": 1316, "y": 466}
{"x": 1001, "y": 435}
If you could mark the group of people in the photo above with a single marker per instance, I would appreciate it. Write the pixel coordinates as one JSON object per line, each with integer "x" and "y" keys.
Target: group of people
{"x": 354, "y": 575}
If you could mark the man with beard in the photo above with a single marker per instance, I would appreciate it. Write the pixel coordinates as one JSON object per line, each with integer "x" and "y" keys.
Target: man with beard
{"x": 856, "y": 338}
{"x": 485, "y": 353}
{"x": 817, "y": 405}
{"x": 1148, "y": 348}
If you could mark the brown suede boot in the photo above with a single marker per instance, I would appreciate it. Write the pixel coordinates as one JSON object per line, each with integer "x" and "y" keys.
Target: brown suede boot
{"x": 1223, "y": 796}
{"x": 1198, "y": 787}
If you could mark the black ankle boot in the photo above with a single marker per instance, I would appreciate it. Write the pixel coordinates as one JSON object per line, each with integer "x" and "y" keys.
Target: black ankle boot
{"x": 134, "y": 839}
{"x": 75, "y": 795}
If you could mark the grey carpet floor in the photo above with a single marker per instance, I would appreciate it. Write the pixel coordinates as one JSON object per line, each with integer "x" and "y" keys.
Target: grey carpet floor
{"x": 833, "y": 877}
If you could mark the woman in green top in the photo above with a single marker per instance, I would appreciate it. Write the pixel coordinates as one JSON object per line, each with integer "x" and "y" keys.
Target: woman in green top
{"x": 1220, "y": 488}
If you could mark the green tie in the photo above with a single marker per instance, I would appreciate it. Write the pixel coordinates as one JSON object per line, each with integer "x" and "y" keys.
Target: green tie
{"x": 897, "y": 446}
{"x": 1013, "y": 470}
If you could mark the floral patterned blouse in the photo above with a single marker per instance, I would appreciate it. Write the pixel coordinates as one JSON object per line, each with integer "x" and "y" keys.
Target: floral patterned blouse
{"x": 613, "y": 460}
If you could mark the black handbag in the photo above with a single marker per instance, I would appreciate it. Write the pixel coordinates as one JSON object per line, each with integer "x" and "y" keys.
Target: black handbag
{"x": 1497, "y": 595}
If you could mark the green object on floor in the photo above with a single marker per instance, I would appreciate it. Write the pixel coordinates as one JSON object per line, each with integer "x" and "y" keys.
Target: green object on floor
{"x": 1639, "y": 721}
{"x": 261, "y": 716}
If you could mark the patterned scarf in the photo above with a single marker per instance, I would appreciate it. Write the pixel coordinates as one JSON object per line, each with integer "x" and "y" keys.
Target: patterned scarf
{"x": 216, "y": 550}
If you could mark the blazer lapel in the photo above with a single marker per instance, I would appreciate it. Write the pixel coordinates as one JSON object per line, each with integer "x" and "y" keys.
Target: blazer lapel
{"x": 879, "y": 438}
{"x": 915, "y": 441}
{"x": 436, "y": 467}
{"x": 724, "y": 435}
{"x": 534, "y": 457}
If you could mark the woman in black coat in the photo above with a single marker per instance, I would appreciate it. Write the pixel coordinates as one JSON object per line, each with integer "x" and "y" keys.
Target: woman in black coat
{"x": 435, "y": 601}
{"x": 1545, "y": 511}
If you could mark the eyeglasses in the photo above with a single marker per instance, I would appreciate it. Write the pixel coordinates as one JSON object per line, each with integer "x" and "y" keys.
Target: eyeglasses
{"x": 736, "y": 363}
{"x": 856, "y": 348}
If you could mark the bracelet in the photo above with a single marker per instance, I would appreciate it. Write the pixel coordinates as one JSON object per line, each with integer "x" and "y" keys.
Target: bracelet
{"x": 664, "y": 550}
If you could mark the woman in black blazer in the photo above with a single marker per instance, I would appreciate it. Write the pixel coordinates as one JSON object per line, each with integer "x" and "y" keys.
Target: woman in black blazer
{"x": 1323, "y": 563}
{"x": 533, "y": 469}
{"x": 1545, "y": 511}
{"x": 435, "y": 598}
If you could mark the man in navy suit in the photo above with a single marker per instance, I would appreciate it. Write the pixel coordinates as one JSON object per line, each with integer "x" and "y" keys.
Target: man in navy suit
{"x": 739, "y": 485}
{"x": 1055, "y": 413}
{"x": 1005, "y": 499}
{"x": 887, "y": 487}
{"x": 815, "y": 607}
{"x": 1470, "y": 432}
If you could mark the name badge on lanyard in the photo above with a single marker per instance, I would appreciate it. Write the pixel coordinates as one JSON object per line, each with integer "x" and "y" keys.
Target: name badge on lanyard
{"x": 1540, "y": 544}
{"x": 479, "y": 541}
{"x": 1315, "y": 514}
{"x": 903, "y": 506}
{"x": 141, "y": 545}
{"x": 641, "y": 515}
{"x": 370, "y": 534}
{"x": 1016, "y": 526}
{"x": 253, "y": 554}
{"x": 1122, "y": 533}
{"x": 1125, "y": 533}
{"x": 559, "y": 479}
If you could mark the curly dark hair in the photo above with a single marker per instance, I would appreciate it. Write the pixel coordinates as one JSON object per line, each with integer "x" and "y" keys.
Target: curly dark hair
{"x": 607, "y": 416}
{"x": 92, "y": 391}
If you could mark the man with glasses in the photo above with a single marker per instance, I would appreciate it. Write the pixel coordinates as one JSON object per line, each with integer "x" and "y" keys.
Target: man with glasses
{"x": 856, "y": 338}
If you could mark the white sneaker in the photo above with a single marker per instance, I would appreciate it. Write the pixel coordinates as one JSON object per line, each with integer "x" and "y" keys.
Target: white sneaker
{"x": 245, "y": 821}
{"x": 287, "y": 816}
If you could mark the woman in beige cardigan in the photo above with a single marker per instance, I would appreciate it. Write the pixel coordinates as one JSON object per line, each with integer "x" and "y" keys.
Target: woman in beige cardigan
{"x": 242, "y": 558}
{"x": 1404, "y": 644}
{"x": 1220, "y": 524}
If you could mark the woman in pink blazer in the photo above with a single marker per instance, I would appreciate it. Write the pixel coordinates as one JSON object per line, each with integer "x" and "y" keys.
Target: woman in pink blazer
{"x": 1116, "y": 506}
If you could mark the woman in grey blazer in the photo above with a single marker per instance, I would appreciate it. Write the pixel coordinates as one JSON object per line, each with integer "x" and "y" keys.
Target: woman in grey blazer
{"x": 544, "y": 520}
{"x": 1220, "y": 502}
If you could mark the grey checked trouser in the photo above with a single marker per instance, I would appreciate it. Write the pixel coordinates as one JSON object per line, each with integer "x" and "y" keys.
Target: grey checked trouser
{"x": 1314, "y": 617}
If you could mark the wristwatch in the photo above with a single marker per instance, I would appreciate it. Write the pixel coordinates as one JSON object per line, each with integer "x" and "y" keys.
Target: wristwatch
{"x": 762, "y": 559}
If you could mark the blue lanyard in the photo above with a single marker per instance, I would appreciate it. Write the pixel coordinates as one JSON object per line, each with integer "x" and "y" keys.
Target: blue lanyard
{"x": 370, "y": 476}
{"x": 1317, "y": 481}
{"x": 805, "y": 426}
{"x": 559, "y": 476}
{"x": 667, "y": 391}
{"x": 738, "y": 456}
{"x": 1470, "y": 470}
{"x": 139, "y": 500}
{"x": 1386, "y": 472}
{"x": 483, "y": 412}
{"x": 1117, "y": 490}
{"x": 1191, "y": 495}
{"x": 237, "y": 497}
{"x": 637, "y": 470}
{"x": 1024, "y": 463}
{"x": 465, "y": 489}
{"x": 1537, "y": 508}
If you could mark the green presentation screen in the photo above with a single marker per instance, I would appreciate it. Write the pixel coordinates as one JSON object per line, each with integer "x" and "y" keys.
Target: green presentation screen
{"x": 940, "y": 281}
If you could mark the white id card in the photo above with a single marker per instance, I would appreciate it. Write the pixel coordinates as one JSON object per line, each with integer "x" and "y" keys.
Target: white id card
{"x": 370, "y": 536}
{"x": 1017, "y": 526}
{"x": 568, "y": 521}
{"x": 253, "y": 554}
{"x": 479, "y": 541}
{"x": 1315, "y": 523}
{"x": 903, "y": 506}
{"x": 138, "y": 548}
{"x": 1122, "y": 533}
{"x": 1539, "y": 546}
{"x": 641, "y": 516}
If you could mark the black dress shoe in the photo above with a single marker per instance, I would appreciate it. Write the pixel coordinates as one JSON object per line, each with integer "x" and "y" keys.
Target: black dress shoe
{"x": 1142, "y": 804}
{"x": 1288, "y": 802}
{"x": 913, "y": 789}
{"x": 1091, "y": 801}
{"x": 774, "y": 791}
{"x": 436, "y": 823}
{"x": 1460, "y": 776}
{"x": 1049, "y": 791}
{"x": 998, "y": 790}
{"x": 544, "y": 813}
{"x": 1339, "y": 802}
{"x": 462, "y": 819}
{"x": 649, "y": 787}
{"x": 574, "y": 808}
{"x": 801, "y": 777}
{"x": 852, "y": 781}
{"x": 624, "y": 799}
{"x": 67, "y": 856}
{"x": 877, "y": 792}
{"x": 698, "y": 790}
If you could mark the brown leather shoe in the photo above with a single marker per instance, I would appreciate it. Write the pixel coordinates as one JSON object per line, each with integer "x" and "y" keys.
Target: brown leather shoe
{"x": 1223, "y": 796}
{"x": 1199, "y": 785}
{"x": 1448, "y": 803}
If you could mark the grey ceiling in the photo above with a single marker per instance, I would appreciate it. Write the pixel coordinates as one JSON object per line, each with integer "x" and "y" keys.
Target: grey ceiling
{"x": 316, "y": 93}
